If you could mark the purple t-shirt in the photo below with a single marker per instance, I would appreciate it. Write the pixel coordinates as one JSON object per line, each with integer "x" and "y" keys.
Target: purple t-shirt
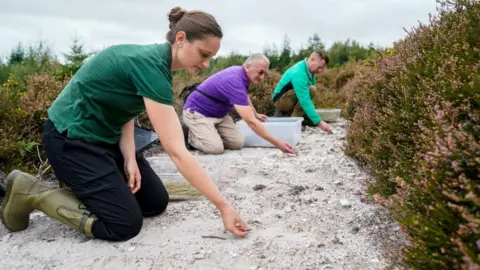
{"x": 229, "y": 85}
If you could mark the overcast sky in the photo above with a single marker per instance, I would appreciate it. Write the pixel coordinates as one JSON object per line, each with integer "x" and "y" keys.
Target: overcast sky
{"x": 248, "y": 25}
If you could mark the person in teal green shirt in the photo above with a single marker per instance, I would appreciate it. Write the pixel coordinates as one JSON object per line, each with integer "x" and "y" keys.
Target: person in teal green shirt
{"x": 89, "y": 138}
{"x": 294, "y": 94}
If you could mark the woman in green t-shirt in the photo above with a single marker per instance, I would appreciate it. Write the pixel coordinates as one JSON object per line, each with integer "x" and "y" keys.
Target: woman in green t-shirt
{"x": 88, "y": 138}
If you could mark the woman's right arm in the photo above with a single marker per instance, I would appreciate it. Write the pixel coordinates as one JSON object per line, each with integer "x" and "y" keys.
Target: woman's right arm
{"x": 165, "y": 121}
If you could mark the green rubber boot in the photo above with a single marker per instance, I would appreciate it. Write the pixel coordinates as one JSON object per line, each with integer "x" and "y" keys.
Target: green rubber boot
{"x": 25, "y": 194}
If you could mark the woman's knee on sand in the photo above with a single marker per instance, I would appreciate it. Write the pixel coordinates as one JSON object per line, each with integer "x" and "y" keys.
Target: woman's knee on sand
{"x": 126, "y": 221}
{"x": 126, "y": 227}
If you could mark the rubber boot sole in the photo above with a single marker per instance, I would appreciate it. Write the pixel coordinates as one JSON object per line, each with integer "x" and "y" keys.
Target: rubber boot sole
{"x": 10, "y": 181}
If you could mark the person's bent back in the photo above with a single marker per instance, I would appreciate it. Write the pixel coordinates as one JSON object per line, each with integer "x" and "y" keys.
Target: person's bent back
{"x": 211, "y": 128}
{"x": 88, "y": 138}
{"x": 206, "y": 111}
{"x": 296, "y": 90}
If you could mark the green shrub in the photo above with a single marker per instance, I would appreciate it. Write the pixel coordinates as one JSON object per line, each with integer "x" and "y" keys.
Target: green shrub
{"x": 22, "y": 113}
{"x": 329, "y": 99}
{"x": 326, "y": 79}
{"x": 333, "y": 85}
{"x": 416, "y": 124}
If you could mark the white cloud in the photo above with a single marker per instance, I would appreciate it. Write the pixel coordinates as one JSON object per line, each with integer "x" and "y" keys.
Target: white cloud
{"x": 248, "y": 25}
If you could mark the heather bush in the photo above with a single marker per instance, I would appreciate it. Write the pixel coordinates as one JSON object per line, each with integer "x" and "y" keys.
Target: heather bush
{"x": 22, "y": 112}
{"x": 11, "y": 119}
{"x": 325, "y": 80}
{"x": 333, "y": 85}
{"x": 41, "y": 91}
{"x": 416, "y": 125}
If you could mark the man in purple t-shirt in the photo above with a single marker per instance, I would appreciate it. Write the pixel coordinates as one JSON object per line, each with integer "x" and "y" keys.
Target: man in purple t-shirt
{"x": 205, "y": 112}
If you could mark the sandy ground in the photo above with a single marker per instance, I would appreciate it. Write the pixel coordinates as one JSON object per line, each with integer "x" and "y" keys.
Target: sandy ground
{"x": 305, "y": 212}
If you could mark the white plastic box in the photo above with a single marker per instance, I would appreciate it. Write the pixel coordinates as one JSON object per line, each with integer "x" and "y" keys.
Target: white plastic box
{"x": 168, "y": 172}
{"x": 329, "y": 115}
{"x": 284, "y": 128}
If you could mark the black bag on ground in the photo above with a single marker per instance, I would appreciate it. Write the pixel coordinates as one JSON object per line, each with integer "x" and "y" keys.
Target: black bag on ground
{"x": 185, "y": 137}
{"x": 186, "y": 91}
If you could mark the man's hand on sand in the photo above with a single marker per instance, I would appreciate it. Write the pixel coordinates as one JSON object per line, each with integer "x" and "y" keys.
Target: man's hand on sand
{"x": 324, "y": 126}
{"x": 285, "y": 147}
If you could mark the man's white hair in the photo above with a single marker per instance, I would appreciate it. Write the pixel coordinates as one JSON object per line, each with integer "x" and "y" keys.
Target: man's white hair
{"x": 254, "y": 58}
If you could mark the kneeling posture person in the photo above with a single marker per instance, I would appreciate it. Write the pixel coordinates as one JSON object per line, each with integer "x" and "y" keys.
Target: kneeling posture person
{"x": 89, "y": 138}
{"x": 205, "y": 114}
{"x": 295, "y": 92}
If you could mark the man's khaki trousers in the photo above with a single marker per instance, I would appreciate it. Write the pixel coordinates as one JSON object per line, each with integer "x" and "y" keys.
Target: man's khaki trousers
{"x": 212, "y": 135}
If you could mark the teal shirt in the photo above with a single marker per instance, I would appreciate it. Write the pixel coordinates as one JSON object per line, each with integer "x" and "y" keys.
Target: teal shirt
{"x": 299, "y": 78}
{"x": 108, "y": 91}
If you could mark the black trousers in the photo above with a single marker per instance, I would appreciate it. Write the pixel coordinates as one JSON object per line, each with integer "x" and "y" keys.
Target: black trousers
{"x": 96, "y": 176}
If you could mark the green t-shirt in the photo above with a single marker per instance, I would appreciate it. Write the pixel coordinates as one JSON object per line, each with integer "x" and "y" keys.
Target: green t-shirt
{"x": 108, "y": 90}
{"x": 299, "y": 78}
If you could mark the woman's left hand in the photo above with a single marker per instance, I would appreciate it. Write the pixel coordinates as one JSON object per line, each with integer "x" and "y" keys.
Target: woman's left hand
{"x": 133, "y": 175}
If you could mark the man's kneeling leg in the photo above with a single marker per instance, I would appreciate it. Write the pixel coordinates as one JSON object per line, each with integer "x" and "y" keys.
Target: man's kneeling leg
{"x": 203, "y": 134}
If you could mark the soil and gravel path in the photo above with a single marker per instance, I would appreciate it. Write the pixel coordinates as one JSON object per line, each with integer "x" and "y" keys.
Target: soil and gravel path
{"x": 305, "y": 212}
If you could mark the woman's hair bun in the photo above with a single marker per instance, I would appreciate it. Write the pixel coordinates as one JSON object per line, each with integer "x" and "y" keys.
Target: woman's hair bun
{"x": 175, "y": 15}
